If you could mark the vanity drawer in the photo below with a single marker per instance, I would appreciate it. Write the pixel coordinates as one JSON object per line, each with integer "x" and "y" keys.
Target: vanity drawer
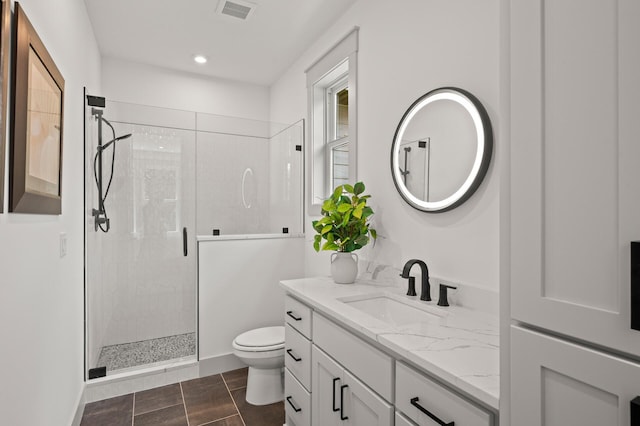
{"x": 298, "y": 315}
{"x": 369, "y": 364}
{"x": 439, "y": 401}
{"x": 297, "y": 401}
{"x": 297, "y": 357}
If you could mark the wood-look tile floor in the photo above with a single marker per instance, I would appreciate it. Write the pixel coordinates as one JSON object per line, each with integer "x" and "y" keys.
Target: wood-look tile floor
{"x": 217, "y": 400}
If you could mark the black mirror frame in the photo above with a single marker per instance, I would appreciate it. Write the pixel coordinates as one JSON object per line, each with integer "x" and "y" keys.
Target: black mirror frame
{"x": 484, "y": 162}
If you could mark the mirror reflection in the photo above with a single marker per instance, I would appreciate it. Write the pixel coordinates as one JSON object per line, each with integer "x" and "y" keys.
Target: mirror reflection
{"x": 441, "y": 149}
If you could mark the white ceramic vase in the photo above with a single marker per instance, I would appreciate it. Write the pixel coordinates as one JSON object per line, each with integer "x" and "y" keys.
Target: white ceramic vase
{"x": 344, "y": 267}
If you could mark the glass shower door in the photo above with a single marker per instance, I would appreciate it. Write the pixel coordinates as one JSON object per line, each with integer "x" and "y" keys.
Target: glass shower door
{"x": 141, "y": 293}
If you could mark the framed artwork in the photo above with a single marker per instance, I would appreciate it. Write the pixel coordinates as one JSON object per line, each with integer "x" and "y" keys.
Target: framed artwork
{"x": 36, "y": 128}
{"x": 5, "y": 47}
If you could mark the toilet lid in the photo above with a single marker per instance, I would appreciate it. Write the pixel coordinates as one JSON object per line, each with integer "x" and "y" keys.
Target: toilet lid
{"x": 267, "y": 336}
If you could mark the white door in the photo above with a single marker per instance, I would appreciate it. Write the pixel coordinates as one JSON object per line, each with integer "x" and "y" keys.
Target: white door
{"x": 575, "y": 174}
{"x": 362, "y": 407}
{"x": 326, "y": 381}
{"x": 560, "y": 383}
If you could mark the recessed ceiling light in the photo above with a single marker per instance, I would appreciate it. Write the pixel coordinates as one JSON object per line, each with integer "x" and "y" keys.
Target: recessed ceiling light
{"x": 200, "y": 59}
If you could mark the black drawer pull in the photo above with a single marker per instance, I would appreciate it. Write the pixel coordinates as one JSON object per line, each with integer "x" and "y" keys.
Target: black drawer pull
{"x": 333, "y": 395}
{"x": 414, "y": 402}
{"x": 296, "y": 409}
{"x": 290, "y": 313}
{"x": 342, "y": 416}
{"x": 296, "y": 359}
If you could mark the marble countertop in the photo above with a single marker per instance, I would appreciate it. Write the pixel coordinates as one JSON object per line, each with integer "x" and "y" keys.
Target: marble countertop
{"x": 460, "y": 346}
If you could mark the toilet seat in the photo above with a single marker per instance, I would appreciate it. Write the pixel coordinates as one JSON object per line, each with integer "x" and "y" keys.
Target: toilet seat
{"x": 260, "y": 340}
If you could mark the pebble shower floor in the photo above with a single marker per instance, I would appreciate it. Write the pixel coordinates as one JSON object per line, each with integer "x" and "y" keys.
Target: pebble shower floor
{"x": 126, "y": 355}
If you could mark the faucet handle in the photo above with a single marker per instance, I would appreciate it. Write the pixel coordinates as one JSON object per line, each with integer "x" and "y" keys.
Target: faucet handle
{"x": 443, "y": 300}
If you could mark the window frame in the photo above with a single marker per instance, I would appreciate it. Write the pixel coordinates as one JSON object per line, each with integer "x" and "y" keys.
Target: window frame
{"x": 337, "y": 65}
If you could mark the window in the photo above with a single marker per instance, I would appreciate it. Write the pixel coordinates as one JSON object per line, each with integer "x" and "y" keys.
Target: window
{"x": 331, "y": 83}
{"x": 336, "y": 147}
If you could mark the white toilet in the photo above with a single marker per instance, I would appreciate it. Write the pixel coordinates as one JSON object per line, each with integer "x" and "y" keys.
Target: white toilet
{"x": 262, "y": 350}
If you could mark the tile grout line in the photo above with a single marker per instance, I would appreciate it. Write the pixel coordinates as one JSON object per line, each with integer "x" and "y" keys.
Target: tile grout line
{"x": 133, "y": 410}
{"x": 184, "y": 404}
{"x": 232, "y": 399}
{"x": 217, "y": 420}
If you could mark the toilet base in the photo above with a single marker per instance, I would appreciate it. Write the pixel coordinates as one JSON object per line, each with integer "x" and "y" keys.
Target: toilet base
{"x": 265, "y": 386}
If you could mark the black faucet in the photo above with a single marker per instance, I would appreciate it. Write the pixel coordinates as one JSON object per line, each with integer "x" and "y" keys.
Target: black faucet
{"x": 425, "y": 293}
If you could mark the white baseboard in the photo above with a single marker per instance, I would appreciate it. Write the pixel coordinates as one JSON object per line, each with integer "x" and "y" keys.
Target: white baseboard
{"x": 219, "y": 364}
{"x": 122, "y": 384}
{"x": 77, "y": 418}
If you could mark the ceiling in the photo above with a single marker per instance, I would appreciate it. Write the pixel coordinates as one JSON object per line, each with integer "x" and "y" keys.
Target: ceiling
{"x": 169, "y": 33}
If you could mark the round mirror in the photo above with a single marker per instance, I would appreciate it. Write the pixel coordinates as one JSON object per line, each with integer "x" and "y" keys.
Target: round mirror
{"x": 441, "y": 150}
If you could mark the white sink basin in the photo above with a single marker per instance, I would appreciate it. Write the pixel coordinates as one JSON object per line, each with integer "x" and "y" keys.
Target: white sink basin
{"x": 390, "y": 310}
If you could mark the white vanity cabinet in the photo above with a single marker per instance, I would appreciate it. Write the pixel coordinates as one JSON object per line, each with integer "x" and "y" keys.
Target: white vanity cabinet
{"x": 350, "y": 382}
{"x": 423, "y": 401}
{"x": 401, "y": 420}
{"x": 297, "y": 362}
{"x": 339, "y": 398}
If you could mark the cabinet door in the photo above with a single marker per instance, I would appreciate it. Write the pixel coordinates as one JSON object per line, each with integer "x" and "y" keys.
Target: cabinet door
{"x": 574, "y": 166}
{"x": 557, "y": 383}
{"x": 362, "y": 406}
{"x": 326, "y": 379}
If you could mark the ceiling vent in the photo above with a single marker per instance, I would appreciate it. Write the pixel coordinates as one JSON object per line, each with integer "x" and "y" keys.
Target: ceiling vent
{"x": 236, "y": 8}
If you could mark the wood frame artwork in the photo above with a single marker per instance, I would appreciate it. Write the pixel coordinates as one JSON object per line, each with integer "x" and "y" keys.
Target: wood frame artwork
{"x": 36, "y": 125}
{"x": 5, "y": 46}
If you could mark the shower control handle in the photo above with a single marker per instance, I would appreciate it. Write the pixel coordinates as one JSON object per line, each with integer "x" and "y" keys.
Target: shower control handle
{"x": 184, "y": 241}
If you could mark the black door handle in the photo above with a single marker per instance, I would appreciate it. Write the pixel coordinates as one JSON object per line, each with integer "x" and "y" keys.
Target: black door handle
{"x": 184, "y": 241}
{"x": 342, "y": 416}
{"x": 296, "y": 359}
{"x": 333, "y": 395}
{"x": 296, "y": 409}
{"x": 290, "y": 313}
{"x": 414, "y": 402}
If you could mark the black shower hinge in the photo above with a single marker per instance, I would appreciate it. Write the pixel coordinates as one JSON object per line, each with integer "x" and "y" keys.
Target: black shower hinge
{"x": 422, "y": 144}
{"x": 216, "y": 232}
{"x": 298, "y": 147}
{"x": 94, "y": 373}
{"x": 96, "y": 101}
{"x": 285, "y": 230}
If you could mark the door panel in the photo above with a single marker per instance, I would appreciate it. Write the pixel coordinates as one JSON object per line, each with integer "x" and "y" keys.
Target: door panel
{"x": 326, "y": 380}
{"x": 574, "y": 204}
{"x": 557, "y": 383}
{"x": 363, "y": 406}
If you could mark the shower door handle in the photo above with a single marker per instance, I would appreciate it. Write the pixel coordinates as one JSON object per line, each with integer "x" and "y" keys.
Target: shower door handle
{"x": 184, "y": 241}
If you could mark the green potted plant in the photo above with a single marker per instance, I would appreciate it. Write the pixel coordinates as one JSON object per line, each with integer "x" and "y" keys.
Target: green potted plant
{"x": 344, "y": 228}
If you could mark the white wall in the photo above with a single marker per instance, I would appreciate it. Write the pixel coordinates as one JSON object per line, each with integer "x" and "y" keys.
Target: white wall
{"x": 407, "y": 48}
{"x": 41, "y": 294}
{"x": 239, "y": 288}
{"x": 143, "y": 84}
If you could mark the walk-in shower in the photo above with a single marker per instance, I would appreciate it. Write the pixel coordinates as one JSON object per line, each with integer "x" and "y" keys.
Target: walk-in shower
{"x": 177, "y": 175}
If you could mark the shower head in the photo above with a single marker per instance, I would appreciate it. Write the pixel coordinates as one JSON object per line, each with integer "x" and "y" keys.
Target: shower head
{"x": 119, "y": 138}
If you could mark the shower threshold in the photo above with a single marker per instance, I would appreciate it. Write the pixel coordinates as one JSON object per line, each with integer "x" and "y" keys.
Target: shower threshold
{"x": 126, "y": 355}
